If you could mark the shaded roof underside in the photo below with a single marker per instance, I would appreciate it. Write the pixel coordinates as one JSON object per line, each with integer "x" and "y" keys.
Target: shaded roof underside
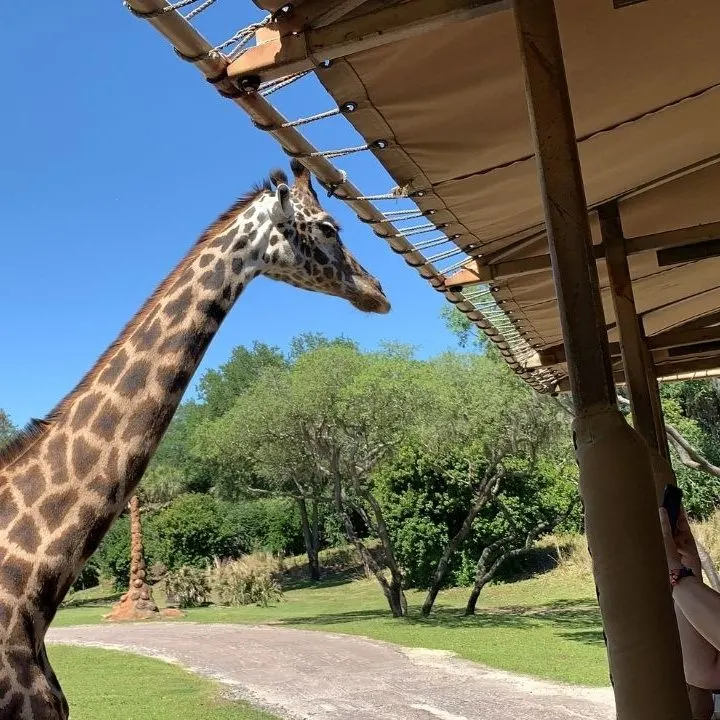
{"x": 645, "y": 89}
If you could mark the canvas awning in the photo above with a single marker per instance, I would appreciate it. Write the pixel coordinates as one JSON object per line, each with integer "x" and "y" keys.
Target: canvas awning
{"x": 644, "y": 83}
{"x": 442, "y": 107}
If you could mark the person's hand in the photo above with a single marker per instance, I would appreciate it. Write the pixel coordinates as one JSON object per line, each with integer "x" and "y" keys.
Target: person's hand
{"x": 672, "y": 552}
{"x": 680, "y": 549}
{"x": 685, "y": 543}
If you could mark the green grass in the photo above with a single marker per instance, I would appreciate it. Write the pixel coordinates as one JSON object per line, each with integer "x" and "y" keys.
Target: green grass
{"x": 110, "y": 685}
{"x": 548, "y": 626}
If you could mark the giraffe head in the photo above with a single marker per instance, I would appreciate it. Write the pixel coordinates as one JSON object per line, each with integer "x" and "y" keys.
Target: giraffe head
{"x": 304, "y": 246}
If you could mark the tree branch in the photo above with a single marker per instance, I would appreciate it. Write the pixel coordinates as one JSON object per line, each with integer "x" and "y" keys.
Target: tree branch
{"x": 689, "y": 455}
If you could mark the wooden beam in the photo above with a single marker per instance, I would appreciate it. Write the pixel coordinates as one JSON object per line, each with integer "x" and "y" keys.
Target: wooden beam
{"x": 701, "y": 322}
{"x": 683, "y": 337}
{"x": 632, "y": 344}
{"x": 317, "y": 13}
{"x": 694, "y": 338}
{"x": 566, "y": 217}
{"x": 292, "y": 53}
{"x": 638, "y": 617}
{"x": 659, "y": 419}
{"x": 695, "y": 369}
{"x": 678, "y": 246}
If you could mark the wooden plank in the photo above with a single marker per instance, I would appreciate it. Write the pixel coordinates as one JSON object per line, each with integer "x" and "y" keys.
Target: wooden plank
{"x": 659, "y": 419}
{"x": 565, "y": 206}
{"x": 318, "y": 13}
{"x": 677, "y": 246}
{"x": 693, "y": 339}
{"x": 632, "y": 345}
{"x": 668, "y": 372}
{"x": 703, "y": 321}
{"x": 304, "y": 50}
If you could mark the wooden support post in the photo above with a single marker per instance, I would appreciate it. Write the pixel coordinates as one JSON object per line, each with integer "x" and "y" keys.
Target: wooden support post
{"x": 659, "y": 420}
{"x": 632, "y": 343}
{"x": 616, "y": 477}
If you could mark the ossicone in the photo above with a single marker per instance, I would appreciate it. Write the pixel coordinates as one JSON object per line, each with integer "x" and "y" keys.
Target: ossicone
{"x": 278, "y": 177}
{"x": 298, "y": 169}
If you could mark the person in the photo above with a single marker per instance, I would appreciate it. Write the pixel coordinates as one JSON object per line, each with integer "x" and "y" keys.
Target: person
{"x": 697, "y": 606}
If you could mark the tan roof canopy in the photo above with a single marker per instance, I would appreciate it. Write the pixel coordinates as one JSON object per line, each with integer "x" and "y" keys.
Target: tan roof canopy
{"x": 645, "y": 89}
{"x": 436, "y": 89}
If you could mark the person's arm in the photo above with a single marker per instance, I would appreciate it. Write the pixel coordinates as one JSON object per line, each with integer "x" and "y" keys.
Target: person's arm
{"x": 697, "y": 608}
{"x": 699, "y": 626}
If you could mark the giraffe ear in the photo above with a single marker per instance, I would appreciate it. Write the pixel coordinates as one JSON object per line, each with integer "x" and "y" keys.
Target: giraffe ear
{"x": 282, "y": 193}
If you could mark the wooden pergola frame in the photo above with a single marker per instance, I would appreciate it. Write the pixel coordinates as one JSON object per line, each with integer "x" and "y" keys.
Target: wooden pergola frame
{"x": 622, "y": 470}
{"x": 686, "y": 244}
{"x": 298, "y": 42}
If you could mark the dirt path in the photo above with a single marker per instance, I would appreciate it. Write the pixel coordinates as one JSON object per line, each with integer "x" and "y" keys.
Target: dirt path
{"x": 321, "y": 676}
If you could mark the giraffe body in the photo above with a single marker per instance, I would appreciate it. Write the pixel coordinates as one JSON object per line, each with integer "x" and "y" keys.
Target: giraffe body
{"x": 67, "y": 478}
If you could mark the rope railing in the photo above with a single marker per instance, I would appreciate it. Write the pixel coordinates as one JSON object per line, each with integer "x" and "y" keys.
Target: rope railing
{"x": 212, "y": 61}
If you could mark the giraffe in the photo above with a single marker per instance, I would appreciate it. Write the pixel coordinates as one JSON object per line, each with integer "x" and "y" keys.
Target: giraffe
{"x": 64, "y": 481}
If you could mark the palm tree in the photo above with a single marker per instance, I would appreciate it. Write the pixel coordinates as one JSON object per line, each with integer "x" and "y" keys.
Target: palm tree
{"x": 137, "y": 603}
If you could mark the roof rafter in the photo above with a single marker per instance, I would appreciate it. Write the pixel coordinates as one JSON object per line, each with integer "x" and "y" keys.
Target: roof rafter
{"x": 688, "y": 244}
{"x": 690, "y": 342}
{"x": 296, "y": 51}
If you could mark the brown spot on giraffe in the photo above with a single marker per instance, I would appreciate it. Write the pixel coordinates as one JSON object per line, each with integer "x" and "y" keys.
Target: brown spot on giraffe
{"x": 56, "y": 459}
{"x": 55, "y": 508}
{"x": 84, "y": 457}
{"x": 25, "y": 534}
{"x": 85, "y": 409}
{"x": 134, "y": 379}
{"x": 32, "y": 485}
{"x": 107, "y": 421}
{"x": 147, "y": 335}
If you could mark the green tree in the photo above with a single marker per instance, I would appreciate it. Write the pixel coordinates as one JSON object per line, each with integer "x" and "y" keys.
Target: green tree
{"x": 486, "y": 429}
{"x": 193, "y": 530}
{"x": 219, "y": 389}
{"x": 316, "y": 432}
{"x": 7, "y": 429}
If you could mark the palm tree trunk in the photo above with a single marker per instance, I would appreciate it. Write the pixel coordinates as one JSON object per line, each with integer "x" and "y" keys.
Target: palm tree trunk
{"x": 137, "y": 603}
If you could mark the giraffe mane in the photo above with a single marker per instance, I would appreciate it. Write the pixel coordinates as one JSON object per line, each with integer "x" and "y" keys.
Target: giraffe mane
{"x": 36, "y": 429}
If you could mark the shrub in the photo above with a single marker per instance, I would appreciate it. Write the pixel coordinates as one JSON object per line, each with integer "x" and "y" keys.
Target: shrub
{"x": 156, "y": 572}
{"x": 113, "y": 555}
{"x": 89, "y": 576}
{"x": 268, "y": 524}
{"x": 189, "y": 585}
{"x": 192, "y": 530}
{"x": 249, "y": 580}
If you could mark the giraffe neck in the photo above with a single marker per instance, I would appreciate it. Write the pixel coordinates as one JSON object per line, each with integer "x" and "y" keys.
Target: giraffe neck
{"x": 59, "y": 497}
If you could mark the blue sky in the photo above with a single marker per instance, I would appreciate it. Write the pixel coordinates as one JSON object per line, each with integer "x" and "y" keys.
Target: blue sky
{"x": 114, "y": 156}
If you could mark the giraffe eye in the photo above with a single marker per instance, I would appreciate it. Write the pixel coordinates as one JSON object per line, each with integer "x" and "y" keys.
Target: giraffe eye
{"x": 329, "y": 230}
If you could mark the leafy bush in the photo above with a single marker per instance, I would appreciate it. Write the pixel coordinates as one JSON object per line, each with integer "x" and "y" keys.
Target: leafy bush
{"x": 113, "y": 555}
{"x": 269, "y": 524}
{"x": 89, "y": 576}
{"x": 189, "y": 585}
{"x": 426, "y": 498}
{"x": 192, "y": 530}
{"x": 249, "y": 580}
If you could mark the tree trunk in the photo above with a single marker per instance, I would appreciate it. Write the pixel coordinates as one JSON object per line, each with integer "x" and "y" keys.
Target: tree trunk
{"x": 484, "y": 570}
{"x": 708, "y": 567}
{"x": 309, "y": 536}
{"x": 137, "y": 603}
{"x": 459, "y": 538}
{"x": 392, "y": 592}
{"x": 396, "y": 575}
